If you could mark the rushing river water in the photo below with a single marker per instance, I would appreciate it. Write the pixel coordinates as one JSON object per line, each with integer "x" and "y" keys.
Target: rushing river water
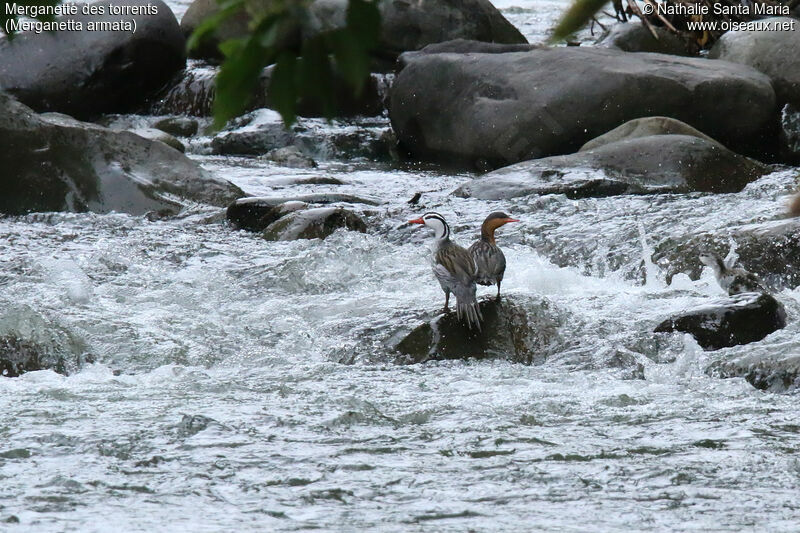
{"x": 241, "y": 385}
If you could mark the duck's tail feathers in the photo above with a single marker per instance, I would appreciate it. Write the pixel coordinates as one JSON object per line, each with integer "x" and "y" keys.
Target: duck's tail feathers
{"x": 467, "y": 308}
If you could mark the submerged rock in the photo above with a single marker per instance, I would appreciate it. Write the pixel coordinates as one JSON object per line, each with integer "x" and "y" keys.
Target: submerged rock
{"x": 645, "y": 127}
{"x": 511, "y": 330}
{"x": 772, "y": 52}
{"x": 772, "y": 373}
{"x": 654, "y": 164}
{"x": 290, "y": 156}
{"x": 790, "y": 133}
{"x": 739, "y": 319}
{"x": 771, "y": 250}
{"x": 86, "y": 73}
{"x": 253, "y": 134}
{"x": 255, "y": 214}
{"x": 56, "y": 163}
{"x": 178, "y": 126}
{"x": 161, "y": 136}
{"x": 510, "y": 107}
{"x": 316, "y": 223}
{"x": 30, "y": 341}
{"x": 18, "y": 356}
{"x": 635, "y": 37}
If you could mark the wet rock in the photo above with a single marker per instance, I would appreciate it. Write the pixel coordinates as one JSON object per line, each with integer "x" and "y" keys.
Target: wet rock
{"x": 635, "y": 37}
{"x": 56, "y": 163}
{"x": 193, "y": 94}
{"x": 739, "y": 319}
{"x": 255, "y": 214}
{"x": 771, "y": 52}
{"x": 790, "y": 133}
{"x": 316, "y": 223}
{"x": 772, "y": 373}
{"x": 654, "y": 164}
{"x": 519, "y": 331}
{"x": 405, "y": 24}
{"x": 645, "y": 127}
{"x": 18, "y": 356}
{"x": 515, "y": 106}
{"x": 253, "y": 134}
{"x": 86, "y": 73}
{"x": 771, "y": 250}
{"x": 160, "y": 136}
{"x": 178, "y": 126}
{"x": 30, "y": 341}
{"x": 290, "y": 156}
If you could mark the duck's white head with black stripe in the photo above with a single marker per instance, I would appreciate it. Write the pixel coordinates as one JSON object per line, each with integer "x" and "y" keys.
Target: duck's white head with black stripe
{"x": 436, "y": 222}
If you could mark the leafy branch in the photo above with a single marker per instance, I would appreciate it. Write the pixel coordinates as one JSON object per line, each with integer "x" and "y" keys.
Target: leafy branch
{"x": 306, "y": 73}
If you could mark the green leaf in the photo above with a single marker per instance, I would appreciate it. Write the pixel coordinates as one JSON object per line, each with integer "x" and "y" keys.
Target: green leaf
{"x": 238, "y": 78}
{"x": 364, "y": 22}
{"x": 316, "y": 74}
{"x": 352, "y": 59}
{"x": 576, "y": 17}
{"x": 283, "y": 87}
{"x": 227, "y": 8}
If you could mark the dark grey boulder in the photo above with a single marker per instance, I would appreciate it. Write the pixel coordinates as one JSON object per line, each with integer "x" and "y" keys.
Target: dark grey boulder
{"x": 519, "y": 331}
{"x": 770, "y": 249}
{"x": 775, "y": 373}
{"x": 635, "y": 37}
{"x": 178, "y": 126}
{"x": 775, "y": 53}
{"x": 645, "y": 127}
{"x": 56, "y": 163}
{"x": 739, "y": 319}
{"x": 654, "y": 164}
{"x": 316, "y": 223}
{"x": 87, "y": 73}
{"x": 515, "y": 106}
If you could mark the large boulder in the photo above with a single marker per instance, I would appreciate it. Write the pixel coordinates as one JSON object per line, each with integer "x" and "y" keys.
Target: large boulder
{"x": 511, "y": 330}
{"x": 775, "y": 373}
{"x": 768, "y": 249}
{"x": 56, "y": 163}
{"x": 738, "y": 319}
{"x": 653, "y": 164}
{"x": 510, "y": 107}
{"x": 405, "y": 24}
{"x": 87, "y": 73}
{"x": 773, "y": 52}
{"x": 635, "y": 37}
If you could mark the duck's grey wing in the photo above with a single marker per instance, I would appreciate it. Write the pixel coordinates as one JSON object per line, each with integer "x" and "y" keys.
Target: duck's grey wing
{"x": 456, "y": 270}
{"x": 490, "y": 261}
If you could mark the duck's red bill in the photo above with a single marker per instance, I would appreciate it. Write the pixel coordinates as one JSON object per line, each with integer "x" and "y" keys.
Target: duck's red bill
{"x": 416, "y": 221}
